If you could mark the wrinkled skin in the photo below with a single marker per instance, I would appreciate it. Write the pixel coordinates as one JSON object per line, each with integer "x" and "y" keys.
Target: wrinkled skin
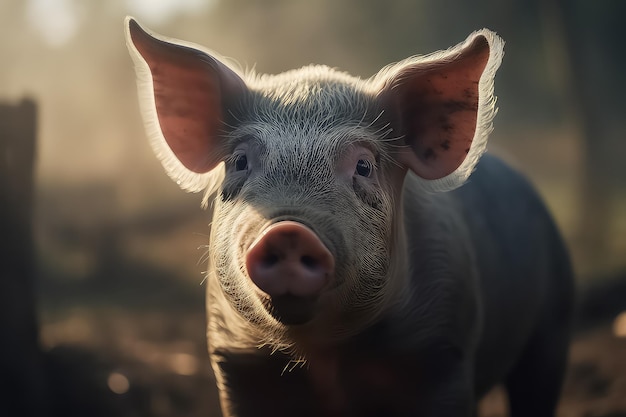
{"x": 348, "y": 276}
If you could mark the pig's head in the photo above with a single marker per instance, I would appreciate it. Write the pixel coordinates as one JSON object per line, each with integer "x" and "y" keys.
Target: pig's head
{"x": 306, "y": 169}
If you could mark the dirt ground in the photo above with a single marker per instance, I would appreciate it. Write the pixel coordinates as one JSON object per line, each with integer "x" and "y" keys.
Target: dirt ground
{"x": 138, "y": 363}
{"x": 596, "y": 379}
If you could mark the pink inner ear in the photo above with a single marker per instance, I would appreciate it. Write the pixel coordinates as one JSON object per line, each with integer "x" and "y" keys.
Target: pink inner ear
{"x": 439, "y": 108}
{"x": 188, "y": 99}
{"x": 190, "y": 121}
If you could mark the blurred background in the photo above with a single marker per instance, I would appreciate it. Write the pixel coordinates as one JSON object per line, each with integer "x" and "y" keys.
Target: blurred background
{"x": 102, "y": 312}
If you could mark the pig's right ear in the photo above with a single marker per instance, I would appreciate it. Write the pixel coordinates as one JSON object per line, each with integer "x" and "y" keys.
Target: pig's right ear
{"x": 443, "y": 106}
{"x": 184, "y": 94}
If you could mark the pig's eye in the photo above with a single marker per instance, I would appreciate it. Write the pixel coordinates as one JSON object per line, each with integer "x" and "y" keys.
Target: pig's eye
{"x": 241, "y": 162}
{"x": 364, "y": 168}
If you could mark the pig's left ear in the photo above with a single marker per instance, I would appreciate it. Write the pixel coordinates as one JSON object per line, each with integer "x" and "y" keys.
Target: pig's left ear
{"x": 444, "y": 105}
{"x": 185, "y": 94}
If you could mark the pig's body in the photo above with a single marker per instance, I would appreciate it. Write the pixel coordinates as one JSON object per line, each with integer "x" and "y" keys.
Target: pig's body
{"x": 526, "y": 286}
{"x": 340, "y": 284}
{"x": 491, "y": 271}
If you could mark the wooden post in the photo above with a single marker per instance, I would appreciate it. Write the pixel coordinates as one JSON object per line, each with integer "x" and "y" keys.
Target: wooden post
{"x": 22, "y": 375}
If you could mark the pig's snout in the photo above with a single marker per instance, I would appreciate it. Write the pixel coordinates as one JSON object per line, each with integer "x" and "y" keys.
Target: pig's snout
{"x": 288, "y": 258}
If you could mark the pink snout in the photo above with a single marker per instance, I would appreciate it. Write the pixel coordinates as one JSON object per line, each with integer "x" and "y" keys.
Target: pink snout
{"x": 288, "y": 258}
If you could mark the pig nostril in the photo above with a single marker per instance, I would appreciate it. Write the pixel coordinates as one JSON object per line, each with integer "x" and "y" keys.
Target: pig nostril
{"x": 270, "y": 259}
{"x": 309, "y": 262}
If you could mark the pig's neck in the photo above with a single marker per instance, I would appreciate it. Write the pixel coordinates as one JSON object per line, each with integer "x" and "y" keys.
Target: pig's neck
{"x": 323, "y": 372}
{"x": 340, "y": 374}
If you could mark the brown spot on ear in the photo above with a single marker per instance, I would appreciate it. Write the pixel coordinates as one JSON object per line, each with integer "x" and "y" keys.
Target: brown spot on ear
{"x": 467, "y": 150}
{"x": 445, "y": 123}
{"x": 458, "y": 105}
{"x": 445, "y": 145}
{"x": 429, "y": 153}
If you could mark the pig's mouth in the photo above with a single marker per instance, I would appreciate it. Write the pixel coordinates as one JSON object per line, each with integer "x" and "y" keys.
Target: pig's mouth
{"x": 291, "y": 309}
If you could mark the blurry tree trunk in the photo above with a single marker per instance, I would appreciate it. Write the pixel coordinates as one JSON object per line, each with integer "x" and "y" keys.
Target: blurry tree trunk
{"x": 22, "y": 376}
{"x": 588, "y": 110}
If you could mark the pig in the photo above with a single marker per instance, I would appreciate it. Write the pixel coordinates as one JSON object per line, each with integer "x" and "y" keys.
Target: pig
{"x": 354, "y": 270}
